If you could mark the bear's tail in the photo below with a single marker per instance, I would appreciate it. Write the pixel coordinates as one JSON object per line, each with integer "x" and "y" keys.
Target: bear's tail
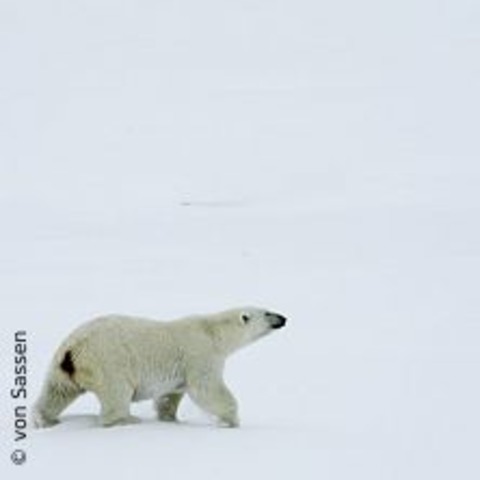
{"x": 67, "y": 365}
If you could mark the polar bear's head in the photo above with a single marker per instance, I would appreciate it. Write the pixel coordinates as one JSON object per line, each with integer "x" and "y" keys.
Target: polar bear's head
{"x": 239, "y": 327}
{"x": 257, "y": 322}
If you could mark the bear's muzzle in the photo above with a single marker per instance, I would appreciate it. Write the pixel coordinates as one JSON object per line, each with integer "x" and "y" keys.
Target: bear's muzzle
{"x": 276, "y": 320}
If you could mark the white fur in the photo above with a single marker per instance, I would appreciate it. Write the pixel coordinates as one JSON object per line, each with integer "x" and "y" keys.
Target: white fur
{"x": 123, "y": 359}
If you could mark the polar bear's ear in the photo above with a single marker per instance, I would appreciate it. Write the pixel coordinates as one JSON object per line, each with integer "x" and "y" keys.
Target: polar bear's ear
{"x": 245, "y": 317}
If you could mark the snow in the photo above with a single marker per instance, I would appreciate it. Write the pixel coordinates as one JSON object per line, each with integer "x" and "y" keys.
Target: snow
{"x": 319, "y": 158}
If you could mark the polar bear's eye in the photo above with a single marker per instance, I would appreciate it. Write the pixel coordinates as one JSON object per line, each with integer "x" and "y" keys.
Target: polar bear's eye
{"x": 245, "y": 318}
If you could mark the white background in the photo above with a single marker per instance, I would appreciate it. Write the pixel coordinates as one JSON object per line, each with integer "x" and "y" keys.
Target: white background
{"x": 320, "y": 158}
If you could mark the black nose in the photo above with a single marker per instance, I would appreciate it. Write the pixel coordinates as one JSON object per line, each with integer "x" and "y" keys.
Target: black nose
{"x": 277, "y": 320}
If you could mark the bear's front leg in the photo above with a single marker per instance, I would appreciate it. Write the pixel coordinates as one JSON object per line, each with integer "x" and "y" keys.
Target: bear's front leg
{"x": 212, "y": 395}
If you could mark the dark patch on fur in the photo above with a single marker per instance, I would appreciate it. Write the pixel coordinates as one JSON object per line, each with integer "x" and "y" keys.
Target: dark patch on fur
{"x": 67, "y": 364}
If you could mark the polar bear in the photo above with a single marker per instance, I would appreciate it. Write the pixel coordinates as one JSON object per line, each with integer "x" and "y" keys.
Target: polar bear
{"x": 123, "y": 359}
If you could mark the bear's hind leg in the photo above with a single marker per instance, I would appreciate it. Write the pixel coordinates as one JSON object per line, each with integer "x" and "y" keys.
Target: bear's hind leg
{"x": 56, "y": 396}
{"x": 115, "y": 405}
{"x": 167, "y": 406}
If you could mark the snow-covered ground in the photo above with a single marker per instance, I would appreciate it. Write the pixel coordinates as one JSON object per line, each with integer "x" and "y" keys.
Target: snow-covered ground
{"x": 319, "y": 158}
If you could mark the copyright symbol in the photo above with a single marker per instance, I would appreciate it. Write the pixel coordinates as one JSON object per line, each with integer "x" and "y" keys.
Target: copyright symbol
{"x": 18, "y": 457}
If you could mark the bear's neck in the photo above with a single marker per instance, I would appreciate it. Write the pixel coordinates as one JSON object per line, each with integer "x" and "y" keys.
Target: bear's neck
{"x": 225, "y": 341}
